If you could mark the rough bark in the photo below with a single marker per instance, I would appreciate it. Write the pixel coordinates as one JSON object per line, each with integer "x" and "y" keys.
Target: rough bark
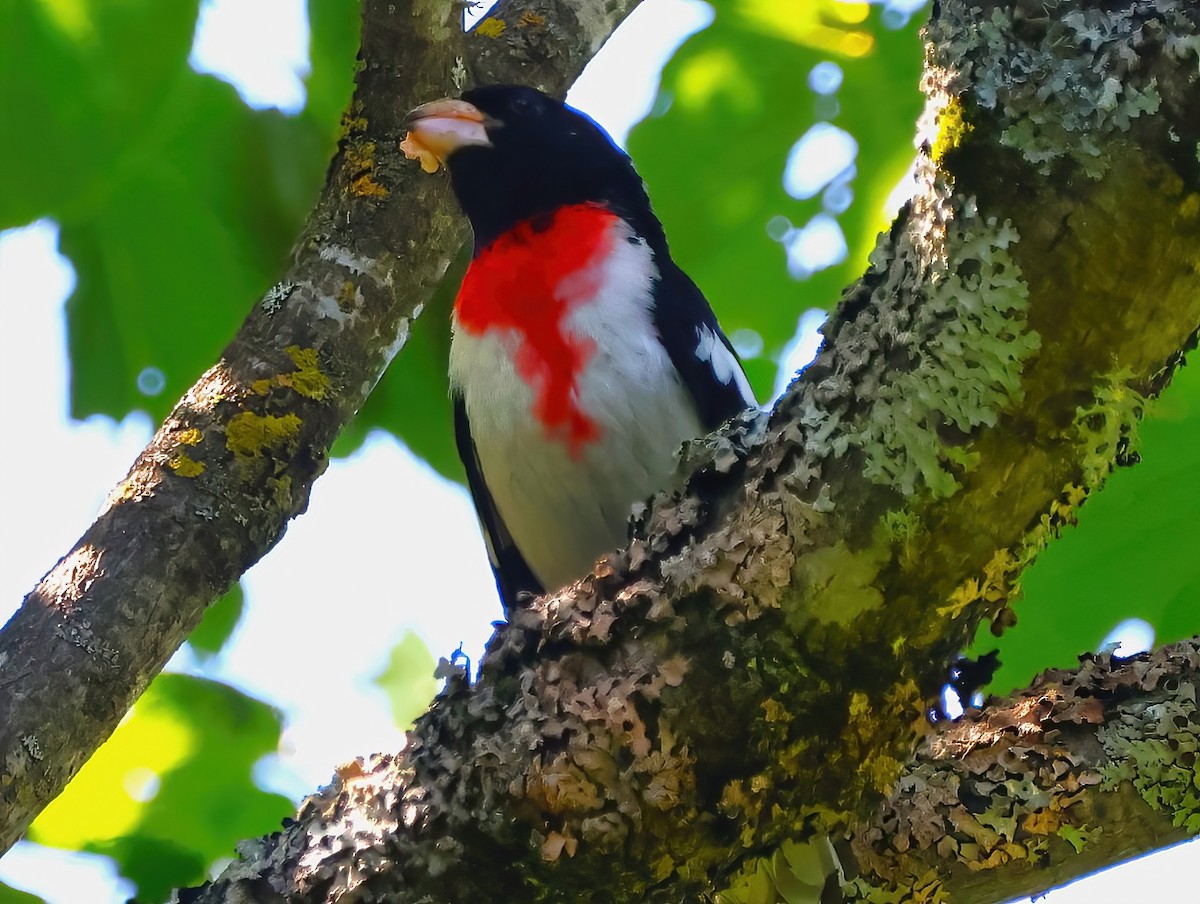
{"x": 216, "y": 487}
{"x": 1084, "y": 769}
{"x": 753, "y": 669}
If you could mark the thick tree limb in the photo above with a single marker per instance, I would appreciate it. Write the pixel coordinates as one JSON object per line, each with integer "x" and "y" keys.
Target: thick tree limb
{"x": 235, "y": 461}
{"x": 753, "y": 669}
{"x": 1084, "y": 769}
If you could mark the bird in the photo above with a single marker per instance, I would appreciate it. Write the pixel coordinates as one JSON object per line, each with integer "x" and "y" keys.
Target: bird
{"x": 582, "y": 357}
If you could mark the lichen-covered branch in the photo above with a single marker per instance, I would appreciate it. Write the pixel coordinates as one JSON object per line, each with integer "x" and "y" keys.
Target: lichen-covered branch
{"x": 1083, "y": 769}
{"x": 235, "y": 461}
{"x": 755, "y": 667}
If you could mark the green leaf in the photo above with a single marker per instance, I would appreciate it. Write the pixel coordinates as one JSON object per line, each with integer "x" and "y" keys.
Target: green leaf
{"x": 75, "y": 100}
{"x": 1132, "y": 555}
{"x": 190, "y": 231}
{"x": 10, "y": 895}
{"x": 334, "y": 26}
{"x": 177, "y": 203}
{"x": 218, "y": 623}
{"x": 736, "y": 100}
{"x": 196, "y": 742}
{"x": 408, "y": 679}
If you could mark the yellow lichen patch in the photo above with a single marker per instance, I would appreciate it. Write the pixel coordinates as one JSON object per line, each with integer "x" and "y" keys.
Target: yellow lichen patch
{"x": 250, "y": 435}
{"x": 360, "y": 160}
{"x": 993, "y": 589}
{"x": 906, "y": 697}
{"x": 1110, "y": 425}
{"x": 531, "y": 19}
{"x": 347, "y": 297}
{"x": 125, "y": 491}
{"x": 735, "y": 800}
{"x": 1190, "y": 208}
{"x": 774, "y": 711}
{"x": 962, "y": 597}
{"x": 307, "y": 379}
{"x": 881, "y": 772}
{"x": 860, "y": 705}
{"x": 953, "y": 129}
{"x": 867, "y": 722}
{"x": 1062, "y": 510}
{"x": 490, "y": 28}
{"x": 1005, "y": 852}
{"x": 189, "y": 437}
{"x": 352, "y": 121}
{"x": 838, "y": 584}
{"x": 366, "y": 187}
{"x": 185, "y": 466}
{"x": 1043, "y": 822}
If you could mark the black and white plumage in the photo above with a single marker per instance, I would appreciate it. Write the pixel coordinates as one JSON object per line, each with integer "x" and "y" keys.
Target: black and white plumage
{"x": 582, "y": 357}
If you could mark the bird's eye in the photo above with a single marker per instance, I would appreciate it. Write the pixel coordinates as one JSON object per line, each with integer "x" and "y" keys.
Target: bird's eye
{"x": 526, "y": 107}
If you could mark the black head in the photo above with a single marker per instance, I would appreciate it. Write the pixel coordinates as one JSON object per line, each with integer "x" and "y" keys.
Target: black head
{"x": 515, "y": 153}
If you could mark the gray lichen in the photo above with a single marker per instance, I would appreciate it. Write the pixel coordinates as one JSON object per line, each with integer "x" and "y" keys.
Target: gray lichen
{"x": 974, "y": 338}
{"x": 1079, "y": 78}
{"x": 1156, "y": 750}
{"x": 964, "y": 347}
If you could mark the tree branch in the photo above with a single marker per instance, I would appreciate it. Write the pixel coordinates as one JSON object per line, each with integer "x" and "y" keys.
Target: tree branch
{"x": 1083, "y": 769}
{"x": 754, "y": 667}
{"x": 1093, "y": 765}
{"x": 235, "y": 461}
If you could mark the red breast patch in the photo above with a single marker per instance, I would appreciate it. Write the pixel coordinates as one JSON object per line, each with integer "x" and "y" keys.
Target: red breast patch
{"x": 528, "y": 281}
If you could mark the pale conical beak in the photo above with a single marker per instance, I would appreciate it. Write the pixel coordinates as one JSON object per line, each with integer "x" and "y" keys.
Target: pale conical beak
{"x": 439, "y": 128}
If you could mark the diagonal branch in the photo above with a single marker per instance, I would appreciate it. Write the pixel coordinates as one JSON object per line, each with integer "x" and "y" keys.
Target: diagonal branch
{"x": 235, "y": 461}
{"x": 1085, "y": 768}
{"x": 1093, "y": 766}
{"x": 754, "y": 668}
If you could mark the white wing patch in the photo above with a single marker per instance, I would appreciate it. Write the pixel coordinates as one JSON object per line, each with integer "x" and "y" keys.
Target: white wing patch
{"x": 725, "y": 366}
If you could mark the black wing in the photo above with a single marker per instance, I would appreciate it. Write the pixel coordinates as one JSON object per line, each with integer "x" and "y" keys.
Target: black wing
{"x": 512, "y": 573}
{"x": 716, "y": 379}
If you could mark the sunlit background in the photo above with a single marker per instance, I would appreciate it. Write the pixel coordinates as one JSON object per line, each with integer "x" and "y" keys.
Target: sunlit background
{"x": 56, "y": 472}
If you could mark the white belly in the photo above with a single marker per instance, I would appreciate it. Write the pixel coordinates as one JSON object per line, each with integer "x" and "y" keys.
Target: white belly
{"x": 567, "y": 507}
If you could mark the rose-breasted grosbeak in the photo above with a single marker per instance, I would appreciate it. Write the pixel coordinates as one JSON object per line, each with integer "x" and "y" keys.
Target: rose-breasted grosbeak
{"x": 582, "y": 357}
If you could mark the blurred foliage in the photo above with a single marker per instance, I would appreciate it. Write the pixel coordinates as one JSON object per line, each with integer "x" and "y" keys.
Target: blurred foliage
{"x": 734, "y": 100}
{"x": 177, "y": 202}
{"x": 171, "y": 791}
{"x": 10, "y": 895}
{"x": 1132, "y": 555}
{"x": 220, "y": 618}
{"x": 408, "y": 679}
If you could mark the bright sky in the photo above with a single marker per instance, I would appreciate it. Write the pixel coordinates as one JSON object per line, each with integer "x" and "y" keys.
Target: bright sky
{"x": 383, "y": 573}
